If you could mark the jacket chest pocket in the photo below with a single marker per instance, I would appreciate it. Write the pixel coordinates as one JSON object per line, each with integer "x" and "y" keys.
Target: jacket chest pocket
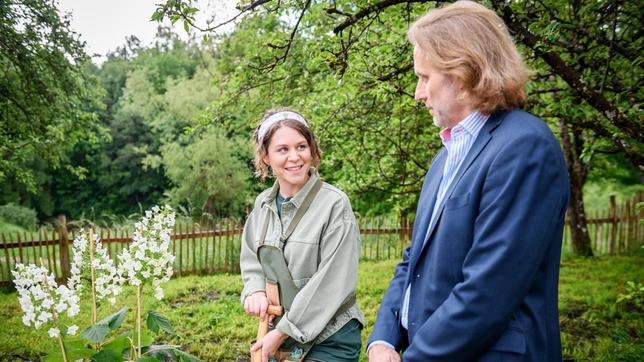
{"x": 302, "y": 257}
{"x": 457, "y": 202}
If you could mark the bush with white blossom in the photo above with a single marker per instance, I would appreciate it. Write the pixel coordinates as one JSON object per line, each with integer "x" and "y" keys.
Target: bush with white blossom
{"x": 42, "y": 300}
{"x": 149, "y": 258}
{"x": 88, "y": 253}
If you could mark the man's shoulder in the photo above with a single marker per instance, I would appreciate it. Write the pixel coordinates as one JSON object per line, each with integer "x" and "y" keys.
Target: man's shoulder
{"x": 519, "y": 123}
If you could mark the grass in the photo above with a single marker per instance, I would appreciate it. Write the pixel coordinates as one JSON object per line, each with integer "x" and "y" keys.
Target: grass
{"x": 210, "y": 323}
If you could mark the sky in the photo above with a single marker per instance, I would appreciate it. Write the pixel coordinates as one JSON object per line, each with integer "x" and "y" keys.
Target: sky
{"x": 104, "y": 25}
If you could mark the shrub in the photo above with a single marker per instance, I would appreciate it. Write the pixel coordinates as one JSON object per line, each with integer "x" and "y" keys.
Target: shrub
{"x": 19, "y": 215}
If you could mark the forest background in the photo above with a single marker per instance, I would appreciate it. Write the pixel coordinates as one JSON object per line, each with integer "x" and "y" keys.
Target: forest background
{"x": 171, "y": 122}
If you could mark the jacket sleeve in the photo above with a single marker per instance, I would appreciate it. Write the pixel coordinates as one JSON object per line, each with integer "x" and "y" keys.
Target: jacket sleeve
{"x": 333, "y": 282}
{"x": 387, "y": 327}
{"x": 251, "y": 270}
{"x": 523, "y": 203}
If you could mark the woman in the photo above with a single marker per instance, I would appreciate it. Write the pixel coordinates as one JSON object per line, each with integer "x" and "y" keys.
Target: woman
{"x": 308, "y": 227}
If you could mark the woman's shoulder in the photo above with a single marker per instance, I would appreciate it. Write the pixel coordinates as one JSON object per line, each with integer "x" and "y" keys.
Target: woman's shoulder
{"x": 335, "y": 196}
{"x": 263, "y": 196}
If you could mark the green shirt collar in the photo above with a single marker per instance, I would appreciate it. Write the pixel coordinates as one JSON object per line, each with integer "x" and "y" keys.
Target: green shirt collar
{"x": 297, "y": 198}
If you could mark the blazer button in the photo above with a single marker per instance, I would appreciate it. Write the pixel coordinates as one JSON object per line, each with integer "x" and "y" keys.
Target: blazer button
{"x": 418, "y": 276}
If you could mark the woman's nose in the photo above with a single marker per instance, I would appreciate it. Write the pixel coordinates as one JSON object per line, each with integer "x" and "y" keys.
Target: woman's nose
{"x": 293, "y": 154}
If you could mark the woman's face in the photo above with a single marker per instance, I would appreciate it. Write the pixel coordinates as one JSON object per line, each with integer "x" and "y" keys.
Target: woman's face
{"x": 289, "y": 156}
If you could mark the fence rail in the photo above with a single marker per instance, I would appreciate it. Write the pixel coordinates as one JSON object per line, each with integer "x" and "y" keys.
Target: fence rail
{"x": 214, "y": 247}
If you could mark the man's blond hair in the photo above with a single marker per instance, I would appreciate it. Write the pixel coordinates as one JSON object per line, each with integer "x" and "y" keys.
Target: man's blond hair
{"x": 471, "y": 44}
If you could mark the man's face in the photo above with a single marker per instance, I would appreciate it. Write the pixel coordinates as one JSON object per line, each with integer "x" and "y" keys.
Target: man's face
{"x": 438, "y": 92}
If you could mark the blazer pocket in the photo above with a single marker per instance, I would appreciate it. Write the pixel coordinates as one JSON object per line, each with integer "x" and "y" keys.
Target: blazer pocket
{"x": 512, "y": 340}
{"x": 457, "y": 202}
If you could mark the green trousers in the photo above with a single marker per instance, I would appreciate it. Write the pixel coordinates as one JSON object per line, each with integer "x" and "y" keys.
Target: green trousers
{"x": 342, "y": 346}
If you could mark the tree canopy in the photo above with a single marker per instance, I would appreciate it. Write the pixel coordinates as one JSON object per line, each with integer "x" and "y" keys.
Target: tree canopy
{"x": 47, "y": 101}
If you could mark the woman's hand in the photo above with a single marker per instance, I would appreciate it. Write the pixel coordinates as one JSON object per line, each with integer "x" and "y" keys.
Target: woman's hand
{"x": 256, "y": 304}
{"x": 269, "y": 344}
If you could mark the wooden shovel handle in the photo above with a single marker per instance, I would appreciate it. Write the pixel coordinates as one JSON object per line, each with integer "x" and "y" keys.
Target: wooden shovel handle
{"x": 276, "y": 310}
{"x": 272, "y": 292}
{"x": 261, "y": 332}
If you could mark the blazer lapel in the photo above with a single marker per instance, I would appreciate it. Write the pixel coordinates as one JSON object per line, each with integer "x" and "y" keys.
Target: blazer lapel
{"x": 483, "y": 138}
{"x": 426, "y": 205}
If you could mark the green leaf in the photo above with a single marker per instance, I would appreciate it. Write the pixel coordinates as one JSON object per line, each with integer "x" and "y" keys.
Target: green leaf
{"x": 156, "y": 321}
{"x": 146, "y": 359}
{"x": 158, "y": 15}
{"x": 115, "y": 320}
{"x": 120, "y": 344}
{"x": 186, "y": 357}
{"x": 163, "y": 352}
{"x": 186, "y": 27}
{"x": 106, "y": 355}
{"x": 96, "y": 333}
{"x": 78, "y": 349}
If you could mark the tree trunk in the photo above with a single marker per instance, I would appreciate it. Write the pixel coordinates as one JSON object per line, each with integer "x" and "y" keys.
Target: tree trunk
{"x": 577, "y": 170}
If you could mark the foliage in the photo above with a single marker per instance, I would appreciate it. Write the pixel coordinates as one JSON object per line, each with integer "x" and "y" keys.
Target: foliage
{"x": 210, "y": 323}
{"x": 634, "y": 296}
{"x": 207, "y": 174}
{"x": 19, "y": 215}
{"x": 347, "y": 65}
{"x": 45, "y": 97}
{"x": 597, "y": 194}
{"x": 146, "y": 261}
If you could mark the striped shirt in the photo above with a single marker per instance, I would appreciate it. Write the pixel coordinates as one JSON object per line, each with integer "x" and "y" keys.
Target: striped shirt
{"x": 458, "y": 141}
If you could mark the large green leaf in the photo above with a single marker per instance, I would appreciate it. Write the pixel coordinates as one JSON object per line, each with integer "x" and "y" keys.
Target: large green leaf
{"x": 78, "y": 349}
{"x": 120, "y": 344}
{"x": 106, "y": 355}
{"x": 146, "y": 340}
{"x": 163, "y": 352}
{"x": 147, "y": 359}
{"x": 186, "y": 357}
{"x": 96, "y": 333}
{"x": 156, "y": 321}
{"x": 115, "y": 320}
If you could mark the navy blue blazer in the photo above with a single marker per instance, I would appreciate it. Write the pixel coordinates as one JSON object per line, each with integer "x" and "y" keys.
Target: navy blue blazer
{"x": 484, "y": 285}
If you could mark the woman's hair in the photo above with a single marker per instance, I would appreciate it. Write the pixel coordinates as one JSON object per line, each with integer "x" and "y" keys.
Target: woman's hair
{"x": 470, "y": 43}
{"x": 262, "y": 140}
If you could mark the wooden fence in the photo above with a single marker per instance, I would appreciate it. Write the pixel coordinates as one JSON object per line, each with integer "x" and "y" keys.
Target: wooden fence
{"x": 214, "y": 247}
{"x": 617, "y": 230}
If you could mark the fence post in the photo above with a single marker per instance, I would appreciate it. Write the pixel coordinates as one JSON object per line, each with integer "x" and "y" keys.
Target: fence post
{"x": 64, "y": 248}
{"x": 613, "y": 220}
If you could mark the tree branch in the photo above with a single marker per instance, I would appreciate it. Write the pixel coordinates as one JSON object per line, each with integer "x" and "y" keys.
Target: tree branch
{"x": 574, "y": 80}
{"x": 375, "y": 8}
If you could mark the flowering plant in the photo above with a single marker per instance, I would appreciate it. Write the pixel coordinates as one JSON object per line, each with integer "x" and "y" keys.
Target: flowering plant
{"x": 42, "y": 301}
{"x": 146, "y": 261}
{"x": 148, "y": 257}
{"x": 91, "y": 261}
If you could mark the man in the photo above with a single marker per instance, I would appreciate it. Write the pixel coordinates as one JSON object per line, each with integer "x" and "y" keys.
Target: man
{"x": 479, "y": 281}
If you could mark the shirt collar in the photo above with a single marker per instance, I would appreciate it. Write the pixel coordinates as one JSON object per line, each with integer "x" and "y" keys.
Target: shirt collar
{"x": 299, "y": 196}
{"x": 471, "y": 124}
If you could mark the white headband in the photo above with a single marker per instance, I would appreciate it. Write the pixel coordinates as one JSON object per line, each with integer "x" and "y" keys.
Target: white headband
{"x": 274, "y": 118}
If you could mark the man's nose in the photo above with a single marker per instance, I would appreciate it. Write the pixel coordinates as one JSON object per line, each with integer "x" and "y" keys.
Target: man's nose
{"x": 419, "y": 94}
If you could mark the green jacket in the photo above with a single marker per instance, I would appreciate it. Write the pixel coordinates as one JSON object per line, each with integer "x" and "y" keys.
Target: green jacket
{"x": 322, "y": 255}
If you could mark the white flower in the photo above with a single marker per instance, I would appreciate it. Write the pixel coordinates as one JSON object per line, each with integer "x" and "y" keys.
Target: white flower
{"x": 72, "y": 329}
{"x": 106, "y": 279}
{"x": 38, "y": 294}
{"x": 158, "y": 293}
{"x": 53, "y": 332}
{"x": 148, "y": 258}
